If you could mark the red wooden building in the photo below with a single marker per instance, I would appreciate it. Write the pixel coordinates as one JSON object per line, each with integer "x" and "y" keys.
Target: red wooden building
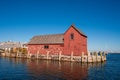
{"x": 73, "y": 40}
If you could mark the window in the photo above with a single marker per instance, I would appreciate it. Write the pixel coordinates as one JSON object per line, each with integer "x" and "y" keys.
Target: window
{"x": 46, "y": 47}
{"x": 72, "y": 36}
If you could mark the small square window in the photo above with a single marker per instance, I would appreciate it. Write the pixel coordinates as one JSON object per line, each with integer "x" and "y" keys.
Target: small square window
{"x": 72, "y": 36}
{"x": 46, "y": 47}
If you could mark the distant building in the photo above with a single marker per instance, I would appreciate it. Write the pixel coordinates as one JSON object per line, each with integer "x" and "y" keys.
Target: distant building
{"x": 73, "y": 40}
{"x": 10, "y": 44}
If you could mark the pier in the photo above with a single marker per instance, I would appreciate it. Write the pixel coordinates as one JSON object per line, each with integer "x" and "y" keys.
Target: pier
{"x": 90, "y": 58}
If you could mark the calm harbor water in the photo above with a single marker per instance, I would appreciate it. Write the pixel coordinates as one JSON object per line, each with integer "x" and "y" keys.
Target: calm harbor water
{"x": 24, "y": 69}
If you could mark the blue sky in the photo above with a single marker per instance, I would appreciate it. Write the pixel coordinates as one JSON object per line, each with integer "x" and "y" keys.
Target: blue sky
{"x": 20, "y": 20}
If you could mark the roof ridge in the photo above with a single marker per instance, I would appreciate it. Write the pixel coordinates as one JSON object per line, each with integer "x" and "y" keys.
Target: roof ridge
{"x": 82, "y": 33}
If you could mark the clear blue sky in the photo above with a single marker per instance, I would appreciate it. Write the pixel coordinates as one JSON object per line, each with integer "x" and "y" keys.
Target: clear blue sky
{"x": 20, "y": 20}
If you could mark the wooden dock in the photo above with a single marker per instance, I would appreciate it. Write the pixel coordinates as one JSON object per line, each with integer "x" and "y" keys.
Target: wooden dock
{"x": 90, "y": 58}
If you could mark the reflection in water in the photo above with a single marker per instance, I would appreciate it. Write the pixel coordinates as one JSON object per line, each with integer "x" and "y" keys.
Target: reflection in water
{"x": 52, "y": 70}
{"x": 25, "y": 69}
{"x": 60, "y": 70}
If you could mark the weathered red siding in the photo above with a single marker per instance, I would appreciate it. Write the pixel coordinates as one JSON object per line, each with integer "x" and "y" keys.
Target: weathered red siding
{"x": 53, "y": 48}
{"x": 76, "y": 45}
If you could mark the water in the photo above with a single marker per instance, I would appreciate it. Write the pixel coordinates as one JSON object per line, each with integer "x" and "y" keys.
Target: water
{"x": 22, "y": 69}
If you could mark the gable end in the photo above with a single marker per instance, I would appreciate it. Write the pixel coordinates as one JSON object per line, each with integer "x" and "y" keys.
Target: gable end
{"x": 78, "y": 30}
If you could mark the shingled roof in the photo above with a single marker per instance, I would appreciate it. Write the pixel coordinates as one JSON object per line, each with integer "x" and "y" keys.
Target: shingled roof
{"x": 53, "y": 38}
{"x": 47, "y": 39}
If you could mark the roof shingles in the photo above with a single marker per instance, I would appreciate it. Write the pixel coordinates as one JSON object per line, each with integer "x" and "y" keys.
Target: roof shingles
{"x": 47, "y": 39}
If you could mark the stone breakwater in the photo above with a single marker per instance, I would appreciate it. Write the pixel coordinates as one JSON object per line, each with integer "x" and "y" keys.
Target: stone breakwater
{"x": 91, "y": 57}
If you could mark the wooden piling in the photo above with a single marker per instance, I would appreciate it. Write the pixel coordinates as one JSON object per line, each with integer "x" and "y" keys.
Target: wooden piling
{"x": 105, "y": 55}
{"x": 71, "y": 58}
{"x": 47, "y": 56}
{"x": 28, "y": 55}
{"x": 92, "y": 57}
{"x": 101, "y": 56}
{"x": 82, "y": 57}
{"x": 59, "y": 55}
{"x": 89, "y": 57}
{"x": 96, "y": 54}
{"x": 37, "y": 56}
